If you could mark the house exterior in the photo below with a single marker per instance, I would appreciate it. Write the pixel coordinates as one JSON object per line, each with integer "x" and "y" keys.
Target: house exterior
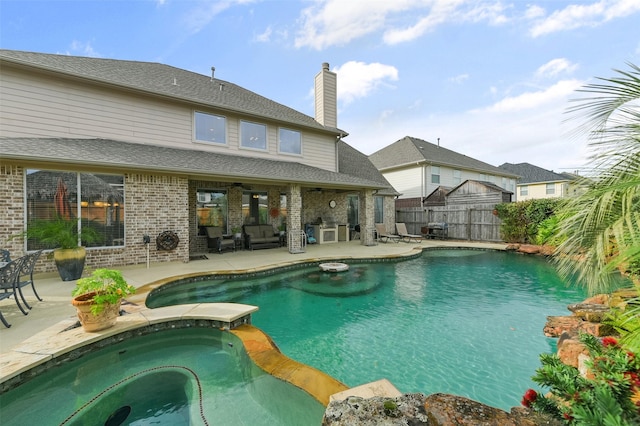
{"x": 536, "y": 182}
{"x": 144, "y": 150}
{"x": 468, "y": 210}
{"x": 416, "y": 168}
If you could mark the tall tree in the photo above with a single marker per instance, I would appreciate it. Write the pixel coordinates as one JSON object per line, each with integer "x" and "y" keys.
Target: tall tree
{"x": 601, "y": 226}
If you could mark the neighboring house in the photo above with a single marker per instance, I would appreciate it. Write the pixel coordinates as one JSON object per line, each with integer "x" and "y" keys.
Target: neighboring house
{"x": 416, "y": 168}
{"x": 536, "y": 182}
{"x": 139, "y": 148}
{"x": 468, "y": 210}
{"x": 353, "y": 162}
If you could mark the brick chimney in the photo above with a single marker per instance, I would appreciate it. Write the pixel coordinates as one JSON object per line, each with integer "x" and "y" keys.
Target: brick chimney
{"x": 326, "y": 96}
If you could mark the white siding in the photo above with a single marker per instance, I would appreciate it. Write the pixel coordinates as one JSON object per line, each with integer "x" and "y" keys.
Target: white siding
{"x": 539, "y": 190}
{"x": 409, "y": 181}
{"x": 42, "y": 106}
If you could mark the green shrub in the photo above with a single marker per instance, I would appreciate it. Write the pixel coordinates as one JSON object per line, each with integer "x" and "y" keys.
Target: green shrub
{"x": 520, "y": 221}
{"x": 611, "y": 396}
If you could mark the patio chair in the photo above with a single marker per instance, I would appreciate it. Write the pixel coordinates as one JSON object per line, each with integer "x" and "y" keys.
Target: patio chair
{"x": 5, "y": 256}
{"x": 356, "y": 233}
{"x": 9, "y": 275}
{"x": 384, "y": 236}
{"x": 401, "y": 228}
{"x": 25, "y": 276}
{"x": 216, "y": 240}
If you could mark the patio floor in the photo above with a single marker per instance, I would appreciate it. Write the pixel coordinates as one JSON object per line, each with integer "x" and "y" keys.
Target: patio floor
{"x": 56, "y": 306}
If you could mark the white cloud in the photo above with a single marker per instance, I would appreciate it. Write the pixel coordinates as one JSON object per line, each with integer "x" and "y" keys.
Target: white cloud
{"x": 534, "y": 11}
{"x": 555, "y": 67}
{"x": 458, "y": 79}
{"x": 81, "y": 48}
{"x": 357, "y": 79}
{"x": 581, "y": 15}
{"x": 200, "y": 16}
{"x": 265, "y": 36}
{"x": 559, "y": 92}
{"x": 337, "y": 22}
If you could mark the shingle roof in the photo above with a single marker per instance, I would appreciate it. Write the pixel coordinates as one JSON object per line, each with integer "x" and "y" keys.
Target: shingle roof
{"x": 354, "y": 163}
{"x": 410, "y": 150}
{"x": 164, "y": 80}
{"x": 533, "y": 174}
{"x": 118, "y": 155}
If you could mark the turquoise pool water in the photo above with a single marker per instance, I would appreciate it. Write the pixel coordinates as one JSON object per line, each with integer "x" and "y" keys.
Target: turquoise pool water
{"x": 464, "y": 322}
{"x": 173, "y": 377}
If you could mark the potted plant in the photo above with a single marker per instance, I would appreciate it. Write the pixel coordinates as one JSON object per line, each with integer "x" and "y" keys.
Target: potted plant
{"x": 237, "y": 232}
{"x": 62, "y": 235}
{"x": 97, "y": 298}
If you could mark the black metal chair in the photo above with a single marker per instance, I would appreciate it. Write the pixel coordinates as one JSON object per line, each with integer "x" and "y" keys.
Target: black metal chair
{"x": 26, "y": 275}
{"x": 5, "y": 256}
{"x": 216, "y": 240}
{"x": 9, "y": 276}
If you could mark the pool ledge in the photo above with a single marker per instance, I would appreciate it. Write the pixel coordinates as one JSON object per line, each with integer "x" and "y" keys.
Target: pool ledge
{"x": 266, "y": 355}
{"x": 65, "y": 337}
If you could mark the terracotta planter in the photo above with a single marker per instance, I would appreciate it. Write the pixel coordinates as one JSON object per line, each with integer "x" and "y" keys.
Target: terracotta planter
{"x": 70, "y": 262}
{"x": 91, "y": 322}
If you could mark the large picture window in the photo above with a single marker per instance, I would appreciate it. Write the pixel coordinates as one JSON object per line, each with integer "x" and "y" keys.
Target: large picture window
{"x": 289, "y": 141}
{"x": 378, "y": 209}
{"x": 353, "y": 207}
{"x": 255, "y": 207}
{"x": 94, "y": 200}
{"x": 212, "y": 208}
{"x": 253, "y": 135}
{"x": 210, "y": 128}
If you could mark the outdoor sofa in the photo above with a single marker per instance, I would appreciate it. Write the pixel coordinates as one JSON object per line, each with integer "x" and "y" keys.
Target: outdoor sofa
{"x": 260, "y": 236}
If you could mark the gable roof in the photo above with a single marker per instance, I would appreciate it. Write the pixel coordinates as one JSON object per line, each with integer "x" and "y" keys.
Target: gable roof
{"x": 533, "y": 174}
{"x": 409, "y": 151}
{"x": 166, "y": 81}
{"x": 492, "y": 187}
{"x": 110, "y": 154}
{"x": 354, "y": 163}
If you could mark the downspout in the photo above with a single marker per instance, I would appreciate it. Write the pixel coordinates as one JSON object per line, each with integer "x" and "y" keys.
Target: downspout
{"x": 338, "y": 139}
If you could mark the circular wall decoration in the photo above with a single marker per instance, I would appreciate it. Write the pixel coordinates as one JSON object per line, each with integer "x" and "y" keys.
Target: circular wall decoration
{"x": 167, "y": 240}
{"x": 332, "y": 204}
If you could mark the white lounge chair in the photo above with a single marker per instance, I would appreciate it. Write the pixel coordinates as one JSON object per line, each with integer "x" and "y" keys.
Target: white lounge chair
{"x": 384, "y": 236}
{"x": 401, "y": 228}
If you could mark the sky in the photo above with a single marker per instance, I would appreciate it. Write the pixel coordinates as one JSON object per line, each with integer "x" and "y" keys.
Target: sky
{"x": 490, "y": 79}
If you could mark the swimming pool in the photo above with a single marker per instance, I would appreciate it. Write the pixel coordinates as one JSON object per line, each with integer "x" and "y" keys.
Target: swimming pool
{"x": 464, "y": 322}
{"x": 179, "y": 376}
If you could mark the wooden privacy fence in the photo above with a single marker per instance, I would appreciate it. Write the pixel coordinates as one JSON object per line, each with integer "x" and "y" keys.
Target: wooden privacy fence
{"x": 465, "y": 222}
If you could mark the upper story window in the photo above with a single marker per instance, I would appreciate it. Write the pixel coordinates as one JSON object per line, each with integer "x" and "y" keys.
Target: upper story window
{"x": 289, "y": 141}
{"x": 210, "y": 128}
{"x": 253, "y": 135}
{"x": 551, "y": 189}
{"x": 457, "y": 177}
{"x": 524, "y": 190}
{"x": 435, "y": 174}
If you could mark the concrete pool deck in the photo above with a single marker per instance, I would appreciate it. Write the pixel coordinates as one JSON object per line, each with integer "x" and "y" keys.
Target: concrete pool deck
{"x": 38, "y": 335}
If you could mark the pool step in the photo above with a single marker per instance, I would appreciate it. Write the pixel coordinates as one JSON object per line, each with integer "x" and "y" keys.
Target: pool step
{"x": 378, "y": 388}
